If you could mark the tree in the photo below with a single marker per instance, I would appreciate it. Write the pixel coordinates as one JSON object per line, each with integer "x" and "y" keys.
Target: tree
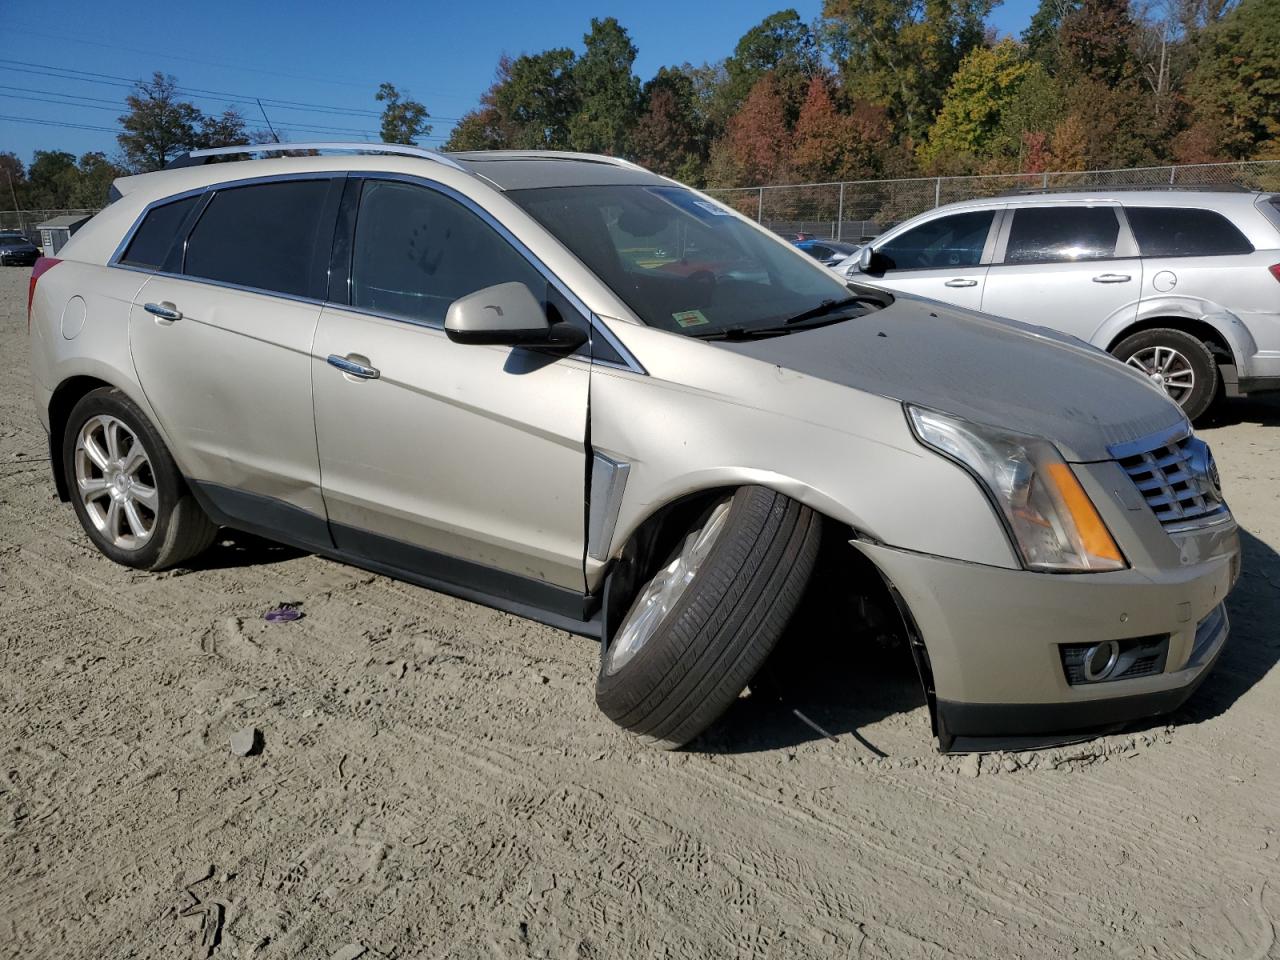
{"x": 52, "y": 178}
{"x": 95, "y": 174}
{"x": 821, "y": 136}
{"x": 669, "y": 135}
{"x": 1041, "y": 35}
{"x": 781, "y": 44}
{"x": 757, "y": 142}
{"x": 987, "y": 84}
{"x": 403, "y": 120}
{"x": 226, "y": 130}
{"x": 1234, "y": 90}
{"x": 158, "y": 125}
{"x": 1095, "y": 41}
{"x": 13, "y": 180}
{"x": 901, "y": 53}
{"x": 539, "y": 99}
{"x": 608, "y": 92}
{"x": 486, "y": 127}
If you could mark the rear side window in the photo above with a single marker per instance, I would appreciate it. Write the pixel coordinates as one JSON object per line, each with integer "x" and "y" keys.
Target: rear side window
{"x": 156, "y": 233}
{"x": 1185, "y": 232}
{"x": 1062, "y": 234}
{"x": 263, "y": 236}
{"x": 417, "y": 251}
{"x": 954, "y": 241}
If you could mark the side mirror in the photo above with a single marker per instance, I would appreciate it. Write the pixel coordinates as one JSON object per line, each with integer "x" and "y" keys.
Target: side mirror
{"x": 866, "y": 259}
{"x": 508, "y": 314}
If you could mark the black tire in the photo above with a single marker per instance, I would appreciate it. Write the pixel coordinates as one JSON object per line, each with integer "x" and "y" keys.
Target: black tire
{"x": 1205, "y": 368}
{"x": 180, "y": 528}
{"x": 724, "y": 626}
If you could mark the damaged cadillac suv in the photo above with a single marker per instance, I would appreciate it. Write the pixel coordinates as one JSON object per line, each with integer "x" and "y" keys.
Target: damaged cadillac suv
{"x": 569, "y": 388}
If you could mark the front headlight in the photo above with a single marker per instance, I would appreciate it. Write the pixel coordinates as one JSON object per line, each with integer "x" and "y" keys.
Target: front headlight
{"x": 1054, "y": 524}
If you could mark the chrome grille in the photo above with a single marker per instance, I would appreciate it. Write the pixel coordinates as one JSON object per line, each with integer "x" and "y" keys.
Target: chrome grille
{"x": 1177, "y": 478}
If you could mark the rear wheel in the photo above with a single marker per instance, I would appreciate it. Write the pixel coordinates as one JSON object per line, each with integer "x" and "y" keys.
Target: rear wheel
{"x": 1178, "y": 363}
{"x": 125, "y": 487}
{"x": 709, "y": 617}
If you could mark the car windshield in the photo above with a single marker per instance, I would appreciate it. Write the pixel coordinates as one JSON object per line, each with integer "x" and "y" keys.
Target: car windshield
{"x": 681, "y": 262}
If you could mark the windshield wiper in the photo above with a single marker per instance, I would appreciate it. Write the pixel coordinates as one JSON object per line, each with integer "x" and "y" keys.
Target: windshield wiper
{"x": 773, "y": 330}
{"x": 822, "y": 309}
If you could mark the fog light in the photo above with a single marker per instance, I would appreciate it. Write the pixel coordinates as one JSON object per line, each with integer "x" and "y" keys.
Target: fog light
{"x": 1100, "y": 660}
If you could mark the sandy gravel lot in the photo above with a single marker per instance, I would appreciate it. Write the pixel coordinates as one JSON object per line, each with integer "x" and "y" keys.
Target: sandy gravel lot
{"x": 435, "y": 780}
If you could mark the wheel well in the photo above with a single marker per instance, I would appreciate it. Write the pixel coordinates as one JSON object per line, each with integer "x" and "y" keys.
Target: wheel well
{"x": 846, "y": 589}
{"x": 1200, "y": 329}
{"x": 64, "y": 399}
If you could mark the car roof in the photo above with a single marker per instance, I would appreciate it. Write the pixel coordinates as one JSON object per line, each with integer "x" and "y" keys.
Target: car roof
{"x": 1216, "y": 199}
{"x": 499, "y": 169}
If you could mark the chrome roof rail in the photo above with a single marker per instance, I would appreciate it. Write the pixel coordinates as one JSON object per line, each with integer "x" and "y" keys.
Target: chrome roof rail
{"x": 195, "y": 158}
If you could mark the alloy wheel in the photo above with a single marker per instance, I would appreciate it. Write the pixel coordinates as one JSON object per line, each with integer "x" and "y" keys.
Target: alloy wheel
{"x": 115, "y": 482}
{"x": 665, "y": 589}
{"x": 1168, "y": 369}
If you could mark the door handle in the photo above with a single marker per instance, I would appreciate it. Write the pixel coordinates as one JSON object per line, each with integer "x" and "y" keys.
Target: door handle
{"x": 353, "y": 368}
{"x": 961, "y": 283}
{"x": 1112, "y": 278}
{"x": 164, "y": 310}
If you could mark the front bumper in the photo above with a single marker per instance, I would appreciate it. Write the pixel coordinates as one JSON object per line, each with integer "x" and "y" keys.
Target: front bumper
{"x": 993, "y": 638}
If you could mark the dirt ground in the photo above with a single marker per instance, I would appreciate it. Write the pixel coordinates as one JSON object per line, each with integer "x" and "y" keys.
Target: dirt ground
{"x": 435, "y": 780}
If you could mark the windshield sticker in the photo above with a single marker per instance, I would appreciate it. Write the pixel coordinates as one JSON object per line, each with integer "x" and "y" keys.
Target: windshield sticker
{"x": 690, "y": 318}
{"x": 713, "y": 208}
{"x": 689, "y": 202}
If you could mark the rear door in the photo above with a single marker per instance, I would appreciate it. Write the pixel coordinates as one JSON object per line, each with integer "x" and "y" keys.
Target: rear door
{"x": 1067, "y": 266}
{"x": 230, "y": 378}
{"x": 943, "y": 258}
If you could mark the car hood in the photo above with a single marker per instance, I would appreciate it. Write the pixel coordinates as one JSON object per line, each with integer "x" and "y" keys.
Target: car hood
{"x": 987, "y": 370}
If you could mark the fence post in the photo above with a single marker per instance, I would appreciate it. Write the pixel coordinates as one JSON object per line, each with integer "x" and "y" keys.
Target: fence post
{"x": 1172, "y": 173}
{"x": 760, "y": 207}
{"x": 840, "y": 215}
{"x": 937, "y": 192}
{"x": 1044, "y": 181}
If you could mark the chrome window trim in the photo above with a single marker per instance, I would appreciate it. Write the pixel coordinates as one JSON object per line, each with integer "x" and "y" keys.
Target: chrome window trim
{"x": 630, "y": 363}
{"x": 115, "y": 260}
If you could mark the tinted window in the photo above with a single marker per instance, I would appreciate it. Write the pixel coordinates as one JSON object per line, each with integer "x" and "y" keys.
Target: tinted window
{"x": 1052, "y": 234}
{"x": 263, "y": 236}
{"x": 1183, "y": 232}
{"x": 417, "y": 251}
{"x": 156, "y": 233}
{"x": 954, "y": 241}
{"x": 683, "y": 263}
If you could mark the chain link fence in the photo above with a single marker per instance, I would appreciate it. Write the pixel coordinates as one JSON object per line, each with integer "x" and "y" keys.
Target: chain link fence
{"x": 26, "y": 221}
{"x": 858, "y": 210}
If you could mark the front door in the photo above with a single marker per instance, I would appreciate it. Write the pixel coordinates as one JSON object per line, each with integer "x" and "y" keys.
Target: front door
{"x": 941, "y": 258}
{"x": 1069, "y": 267}
{"x": 464, "y": 463}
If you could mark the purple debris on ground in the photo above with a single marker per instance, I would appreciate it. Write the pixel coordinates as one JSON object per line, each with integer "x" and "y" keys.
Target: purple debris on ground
{"x": 282, "y": 614}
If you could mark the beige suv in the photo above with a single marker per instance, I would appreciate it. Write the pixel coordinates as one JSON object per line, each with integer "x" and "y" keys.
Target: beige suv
{"x": 569, "y": 388}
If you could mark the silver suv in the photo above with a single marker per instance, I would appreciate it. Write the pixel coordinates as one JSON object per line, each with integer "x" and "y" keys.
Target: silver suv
{"x": 573, "y": 389}
{"x": 1185, "y": 286}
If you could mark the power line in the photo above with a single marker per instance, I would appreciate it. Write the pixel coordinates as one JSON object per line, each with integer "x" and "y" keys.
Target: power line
{"x": 240, "y": 65}
{"x": 57, "y": 123}
{"x": 108, "y": 79}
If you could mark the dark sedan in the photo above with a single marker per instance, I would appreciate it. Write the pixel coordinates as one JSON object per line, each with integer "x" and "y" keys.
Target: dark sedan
{"x": 830, "y": 252}
{"x": 16, "y": 250}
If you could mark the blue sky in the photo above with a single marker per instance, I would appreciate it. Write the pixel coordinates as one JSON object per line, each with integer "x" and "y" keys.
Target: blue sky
{"x": 324, "y": 54}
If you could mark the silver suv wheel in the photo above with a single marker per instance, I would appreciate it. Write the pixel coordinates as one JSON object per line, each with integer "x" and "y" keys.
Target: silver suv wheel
{"x": 114, "y": 481}
{"x": 1168, "y": 369}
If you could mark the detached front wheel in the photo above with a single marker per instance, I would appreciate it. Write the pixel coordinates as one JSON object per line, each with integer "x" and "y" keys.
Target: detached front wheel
{"x": 708, "y": 618}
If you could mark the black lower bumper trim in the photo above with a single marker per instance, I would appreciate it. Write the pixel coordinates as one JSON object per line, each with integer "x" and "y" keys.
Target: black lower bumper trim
{"x": 969, "y": 727}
